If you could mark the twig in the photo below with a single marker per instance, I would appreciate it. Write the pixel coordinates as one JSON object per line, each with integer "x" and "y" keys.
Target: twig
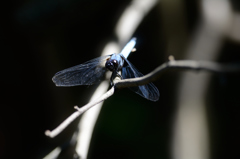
{"x": 79, "y": 111}
{"x": 180, "y": 64}
{"x": 152, "y": 76}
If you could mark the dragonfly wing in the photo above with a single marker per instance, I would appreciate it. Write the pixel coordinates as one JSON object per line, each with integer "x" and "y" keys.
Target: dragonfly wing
{"x": 87, "y": 73}
{"x": 148, "y": 91}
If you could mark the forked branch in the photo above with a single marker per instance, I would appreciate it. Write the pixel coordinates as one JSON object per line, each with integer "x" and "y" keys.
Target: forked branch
{"x": 152, "y": 76}
{"x": 76, "y": 114}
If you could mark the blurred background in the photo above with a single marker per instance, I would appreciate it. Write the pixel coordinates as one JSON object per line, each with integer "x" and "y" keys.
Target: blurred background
{"x": 196, "y": 117}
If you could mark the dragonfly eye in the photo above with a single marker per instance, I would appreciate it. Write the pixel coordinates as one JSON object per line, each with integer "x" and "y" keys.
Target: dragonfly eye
{"x": 112, "y": 65}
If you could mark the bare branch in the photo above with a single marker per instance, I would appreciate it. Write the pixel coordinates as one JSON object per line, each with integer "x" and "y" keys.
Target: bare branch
{"x": 180, "y": 64}
{"x": 152, "y": 76}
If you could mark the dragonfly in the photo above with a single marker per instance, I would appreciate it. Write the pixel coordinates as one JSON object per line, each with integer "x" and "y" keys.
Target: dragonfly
{"x": 92, "y": 72}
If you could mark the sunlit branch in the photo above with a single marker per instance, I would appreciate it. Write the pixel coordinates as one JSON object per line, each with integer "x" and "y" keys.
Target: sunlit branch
{"x": 152, "y": 76}
{"x": 76, "y": 114}
{"x": 178, "y": 65}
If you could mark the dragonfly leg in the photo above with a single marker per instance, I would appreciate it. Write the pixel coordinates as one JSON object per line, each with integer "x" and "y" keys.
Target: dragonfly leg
{"x": 111, "y": 79}
{"x": 119, "y": 75}
{"x": 114, "y": 74}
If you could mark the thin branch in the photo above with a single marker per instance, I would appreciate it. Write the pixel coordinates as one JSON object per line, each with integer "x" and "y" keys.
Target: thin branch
{"x": 76, "y": 114}
{"x": 180, "y": 64}
{"x": 152, "y": 76}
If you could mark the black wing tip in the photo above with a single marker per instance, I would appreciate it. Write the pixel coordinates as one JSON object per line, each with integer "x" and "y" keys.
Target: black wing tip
{"x": 155, "y": 96}
{"x": 154, "y": 99}
{"x": 158, "y": 96}
{"x": 57, "y": 82}
{"x": 54, "y": 80}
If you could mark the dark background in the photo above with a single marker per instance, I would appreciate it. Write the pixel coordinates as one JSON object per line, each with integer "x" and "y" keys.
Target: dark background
{"x": 42, "y": 37}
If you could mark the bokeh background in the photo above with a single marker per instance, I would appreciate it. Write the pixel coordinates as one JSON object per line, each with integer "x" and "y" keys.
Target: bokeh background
{"x": 42, "y": 37}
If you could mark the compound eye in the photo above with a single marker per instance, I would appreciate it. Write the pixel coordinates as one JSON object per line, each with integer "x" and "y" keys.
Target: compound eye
{"x": 111, "y": 65}
{"x": 114, "y": 62}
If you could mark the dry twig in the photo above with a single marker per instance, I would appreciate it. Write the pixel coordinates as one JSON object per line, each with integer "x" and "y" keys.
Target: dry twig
{"x": 152, "y": 76}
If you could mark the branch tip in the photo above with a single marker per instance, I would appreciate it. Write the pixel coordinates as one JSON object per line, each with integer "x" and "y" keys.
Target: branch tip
{"x": 171, "y": 58}
{"x": 48, "y": 133}
{"x": 76, "y": 107}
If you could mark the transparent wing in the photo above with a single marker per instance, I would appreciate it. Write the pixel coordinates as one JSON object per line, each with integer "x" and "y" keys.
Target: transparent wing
{"x": 148, "y": 91}
{"x": 87, "y": 73}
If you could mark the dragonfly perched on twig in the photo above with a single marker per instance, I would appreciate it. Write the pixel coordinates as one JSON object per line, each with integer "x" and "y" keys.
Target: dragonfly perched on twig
{"x": 92, "y": 72}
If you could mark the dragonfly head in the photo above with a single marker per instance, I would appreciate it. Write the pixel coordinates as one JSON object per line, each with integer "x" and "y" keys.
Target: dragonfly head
{"x": 112, "y": 65}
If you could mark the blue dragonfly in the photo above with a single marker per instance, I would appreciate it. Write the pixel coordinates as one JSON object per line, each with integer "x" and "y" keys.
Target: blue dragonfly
{"x": 92, "y": 72}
